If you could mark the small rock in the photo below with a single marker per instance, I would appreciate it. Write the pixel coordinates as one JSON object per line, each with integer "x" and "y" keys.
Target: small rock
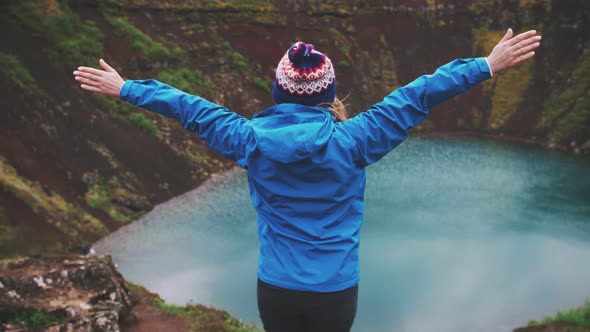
{"x": 113, "y": 296}
{"x": 39, "y": 281}
{"x": 1, "y": 286}
{"x": 13, "y": 294}
{"x": 573, "y": 144}
{"x": 49, "y": 281}
{"x": 64, "y": 273}
{"x": 71, "y": 312}
{"x": 102, "y": 322}
{"x": 89, "y": 178}
{"x": 84, "y": 306}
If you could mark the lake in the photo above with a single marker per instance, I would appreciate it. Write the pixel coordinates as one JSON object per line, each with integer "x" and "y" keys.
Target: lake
{"x": 460, "y": 234}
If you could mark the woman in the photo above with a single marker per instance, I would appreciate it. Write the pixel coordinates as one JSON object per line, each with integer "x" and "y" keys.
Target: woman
{"x": 306, "y": 167}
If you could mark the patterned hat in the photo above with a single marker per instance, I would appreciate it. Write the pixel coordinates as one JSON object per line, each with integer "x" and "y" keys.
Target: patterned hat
{"x": 304, "y": 76}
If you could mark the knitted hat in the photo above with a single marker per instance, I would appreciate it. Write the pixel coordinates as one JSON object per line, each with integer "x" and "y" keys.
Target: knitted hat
{"x": 304, "y": 76}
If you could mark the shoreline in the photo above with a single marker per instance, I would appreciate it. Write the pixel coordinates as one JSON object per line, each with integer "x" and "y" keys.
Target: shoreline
{"x": 219, "y": 175}
{"x": 213, "y": 180}
{"x": 534, "y": 141}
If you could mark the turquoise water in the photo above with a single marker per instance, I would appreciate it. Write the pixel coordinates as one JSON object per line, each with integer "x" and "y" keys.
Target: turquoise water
{"x": 459, "y": 235}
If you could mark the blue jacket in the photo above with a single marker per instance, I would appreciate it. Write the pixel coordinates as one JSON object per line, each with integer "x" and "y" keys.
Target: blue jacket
{"x": 306, "y": 172}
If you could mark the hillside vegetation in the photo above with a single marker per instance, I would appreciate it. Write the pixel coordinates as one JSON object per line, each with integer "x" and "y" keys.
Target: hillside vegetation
{"x": 77, "y": 166}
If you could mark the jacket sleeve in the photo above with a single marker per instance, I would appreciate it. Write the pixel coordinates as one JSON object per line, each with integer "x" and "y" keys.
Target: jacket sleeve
{"x": 226, "y": 132}
{"x": 385, "y": 125}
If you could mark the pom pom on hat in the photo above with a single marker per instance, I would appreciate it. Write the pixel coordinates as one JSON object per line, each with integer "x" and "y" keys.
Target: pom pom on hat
{"x": 304, "y": 76}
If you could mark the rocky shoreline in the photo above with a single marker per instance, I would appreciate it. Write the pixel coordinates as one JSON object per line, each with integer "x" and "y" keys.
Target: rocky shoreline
{"x": 85, "y": 293}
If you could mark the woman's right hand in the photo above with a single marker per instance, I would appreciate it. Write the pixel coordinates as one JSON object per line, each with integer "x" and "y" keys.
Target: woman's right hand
{"x": 510, "y": 51}
{"x": 107, "y": 82}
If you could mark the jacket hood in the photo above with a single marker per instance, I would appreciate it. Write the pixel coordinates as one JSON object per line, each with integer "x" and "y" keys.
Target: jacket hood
{"x": 288, "y": 133}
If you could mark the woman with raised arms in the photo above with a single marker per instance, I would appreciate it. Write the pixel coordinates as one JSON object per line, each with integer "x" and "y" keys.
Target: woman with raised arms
{"x": 306, "y": 167}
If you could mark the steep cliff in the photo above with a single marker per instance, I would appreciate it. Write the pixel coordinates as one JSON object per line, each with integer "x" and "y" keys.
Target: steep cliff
{"x": 77, "y": 166}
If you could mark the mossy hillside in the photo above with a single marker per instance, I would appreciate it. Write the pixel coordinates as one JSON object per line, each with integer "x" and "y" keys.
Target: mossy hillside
{"x": 124, "y": 111}
{"x": 67, "y": 217}
{"x": 14, "y": 70}
{"x": 567, "y": 114}
{"x": 507, "y": 90}
{"x": 105, "y": 195}
{"x": 75, "y": 40}
{"x": 144, "y": 44}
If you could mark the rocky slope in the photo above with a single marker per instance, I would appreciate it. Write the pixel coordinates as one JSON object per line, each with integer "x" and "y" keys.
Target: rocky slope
{"x": 87, "y": 293}
{"x": 72, "y": 293}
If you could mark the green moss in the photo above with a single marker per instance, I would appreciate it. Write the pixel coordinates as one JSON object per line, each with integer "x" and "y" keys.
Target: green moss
{"x": 189, "y": 80}
{"x": 579, "y": 316}
{"x": 344, "y": 64}
{"x": 170, "y": 308}
{"x": 142, "y": 42}
{"x": 115, "y": 106}
{"x": 225, "y": 45}
{"x": 125, "y": 111}
{"x": 40, "y": 319}
{"x": 12, "y": 68}
{"x": 341, "y": 42}
{"x": 102, "y": 196}
{"x": 201, "y": 318}
{"x": 135, "y": 287}
{"x": 239, "y": 61}
{"x": 73, "y": 41}
{"x": 263, "y": 84}
{"x": 7, "y": 232}
{"x": 567, "y": 114}
{"x": 140, "y": 120}
{"x": 333, "y": 31}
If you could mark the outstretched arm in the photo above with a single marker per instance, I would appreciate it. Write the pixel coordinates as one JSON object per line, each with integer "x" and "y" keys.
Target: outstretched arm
{"x": 385, "y": 125}
{"x": 225, "y": 131}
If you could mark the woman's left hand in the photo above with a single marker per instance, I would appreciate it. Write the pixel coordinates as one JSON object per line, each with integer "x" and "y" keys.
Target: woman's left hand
{"x": 510, "y": 52}
{"x": 107, "y": 82}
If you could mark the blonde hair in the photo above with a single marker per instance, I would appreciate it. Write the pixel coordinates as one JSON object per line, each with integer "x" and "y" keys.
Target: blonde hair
{"x": 338, "y": 109}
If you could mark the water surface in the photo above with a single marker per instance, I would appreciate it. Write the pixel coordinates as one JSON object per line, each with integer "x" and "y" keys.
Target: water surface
{"x": 459, "y": 235}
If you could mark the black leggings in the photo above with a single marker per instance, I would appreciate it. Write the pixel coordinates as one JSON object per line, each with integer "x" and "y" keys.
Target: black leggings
{"x": 286, "y": 310}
